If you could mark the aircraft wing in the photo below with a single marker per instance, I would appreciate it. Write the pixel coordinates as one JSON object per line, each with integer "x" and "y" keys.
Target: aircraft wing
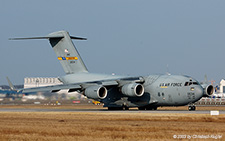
{"x": 53, "y": 88}
{"x": 91, "y": 86}
{"x": 70, "y": 87}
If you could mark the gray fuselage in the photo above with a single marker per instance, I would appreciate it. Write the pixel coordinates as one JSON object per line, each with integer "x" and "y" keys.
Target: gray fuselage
{"x": 160, "y": 90}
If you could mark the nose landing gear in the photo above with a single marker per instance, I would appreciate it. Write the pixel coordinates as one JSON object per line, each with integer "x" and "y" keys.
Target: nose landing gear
{"x": 191, "y": 107}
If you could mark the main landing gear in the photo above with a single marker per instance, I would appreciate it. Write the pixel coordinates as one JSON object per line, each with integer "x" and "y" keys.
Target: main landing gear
{"x": 147, "y": 108}
{"x": 118, "y": 108}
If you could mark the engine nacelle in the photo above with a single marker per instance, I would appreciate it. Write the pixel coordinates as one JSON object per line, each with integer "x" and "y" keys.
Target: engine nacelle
{"x": 208, "y": 90}
{"x": 133, "y": 90}
{"x": 96, "y": 92}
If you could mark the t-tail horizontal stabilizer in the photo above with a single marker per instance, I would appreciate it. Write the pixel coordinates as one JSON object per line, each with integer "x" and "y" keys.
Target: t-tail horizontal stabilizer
{"x": 65, "y": 50}
{"x": 48, "y": 37}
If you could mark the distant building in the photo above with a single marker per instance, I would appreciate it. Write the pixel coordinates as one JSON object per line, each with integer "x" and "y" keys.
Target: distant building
{"x": 222, "y": 86}
{"x": 30, "y": 82}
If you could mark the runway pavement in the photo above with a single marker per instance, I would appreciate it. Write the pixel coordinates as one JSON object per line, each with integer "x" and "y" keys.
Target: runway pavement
{"x": 106, "y": 111}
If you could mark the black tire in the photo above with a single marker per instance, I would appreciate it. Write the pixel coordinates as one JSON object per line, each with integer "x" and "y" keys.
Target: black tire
{"x": 115, "y": 108}
{"x": 149, "y": 108}
{"x": 141, "y": 108}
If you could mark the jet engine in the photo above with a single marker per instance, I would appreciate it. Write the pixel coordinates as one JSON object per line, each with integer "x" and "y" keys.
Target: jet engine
{"x": 96, "y": 92}
{"x": 208, "y": 90}
{"x": 133, "y": 89}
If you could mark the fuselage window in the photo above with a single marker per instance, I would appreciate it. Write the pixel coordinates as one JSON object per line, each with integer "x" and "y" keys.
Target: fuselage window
{"x": 162, "y": 94}
{"x": 158, "y": 93}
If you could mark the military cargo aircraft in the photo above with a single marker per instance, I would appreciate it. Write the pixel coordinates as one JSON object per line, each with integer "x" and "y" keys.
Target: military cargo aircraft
{"x": 119, "y": 92}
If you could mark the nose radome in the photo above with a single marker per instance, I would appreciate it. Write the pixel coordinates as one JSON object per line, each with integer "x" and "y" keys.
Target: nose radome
{"x": 199, "y": 91}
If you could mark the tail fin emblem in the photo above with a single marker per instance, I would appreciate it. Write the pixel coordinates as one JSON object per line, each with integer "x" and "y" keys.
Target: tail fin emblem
{"x": 67, "y": 58}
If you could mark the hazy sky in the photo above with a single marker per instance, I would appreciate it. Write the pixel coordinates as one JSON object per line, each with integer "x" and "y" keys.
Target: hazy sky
{"x": 131, "y": 37}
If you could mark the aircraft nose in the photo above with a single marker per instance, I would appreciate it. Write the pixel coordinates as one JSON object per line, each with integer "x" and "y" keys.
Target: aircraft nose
{"x": 199, "y": 91}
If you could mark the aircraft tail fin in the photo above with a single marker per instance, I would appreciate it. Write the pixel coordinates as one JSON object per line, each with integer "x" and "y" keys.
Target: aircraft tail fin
{"x": 65, "y": 50}
{"x": 10, "y": 84}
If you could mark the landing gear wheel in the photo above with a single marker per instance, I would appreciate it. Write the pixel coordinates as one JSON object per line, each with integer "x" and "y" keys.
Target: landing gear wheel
{"x": 115, "y": 108}
{"x": 147, "y": 108}
{"x": 151, "y": 108}
{"x": 110, "y": 108}
{"x": 191, "y": 108}
{"x": 141, "y": 108}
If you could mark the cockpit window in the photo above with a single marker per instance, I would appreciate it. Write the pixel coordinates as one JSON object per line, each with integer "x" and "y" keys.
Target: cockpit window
{"x": 190, "y": 83}
{"x": 195, "y": 83}
{"x": 186, "y": 84}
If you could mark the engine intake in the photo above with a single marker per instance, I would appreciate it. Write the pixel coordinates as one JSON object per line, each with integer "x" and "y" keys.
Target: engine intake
{"x": 208, "y": 90}
{"x": 133, "y": 90}
{"x": 96, "y": 92}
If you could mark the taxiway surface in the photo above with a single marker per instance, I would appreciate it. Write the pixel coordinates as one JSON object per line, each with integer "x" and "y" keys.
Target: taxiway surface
{"x": 106, "y": 111}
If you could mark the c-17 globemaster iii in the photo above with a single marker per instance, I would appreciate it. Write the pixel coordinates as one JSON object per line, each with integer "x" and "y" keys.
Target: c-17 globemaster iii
{"x": 119, "y": 92}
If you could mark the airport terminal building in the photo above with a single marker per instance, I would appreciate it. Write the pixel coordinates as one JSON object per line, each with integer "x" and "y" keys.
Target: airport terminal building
{"x": 30, "y": 82}
{"x": 222, "y": 86}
